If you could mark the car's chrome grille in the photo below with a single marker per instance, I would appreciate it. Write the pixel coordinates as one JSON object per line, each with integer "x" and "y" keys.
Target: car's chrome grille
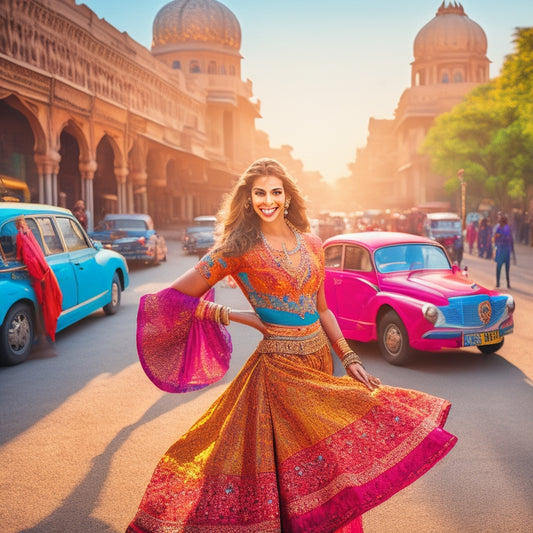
{"x": 464, "y": 311}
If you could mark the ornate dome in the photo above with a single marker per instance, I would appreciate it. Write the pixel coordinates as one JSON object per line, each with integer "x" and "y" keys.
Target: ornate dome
{"x": 202, "y": 21}
{"x": 450, "y": 31}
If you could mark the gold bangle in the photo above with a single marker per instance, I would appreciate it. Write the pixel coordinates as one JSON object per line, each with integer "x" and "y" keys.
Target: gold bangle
{"x": 224, "y": 316}
{"x": 351, "y": 358}
{"x": 201, "y": 309}
{"x": 207, "y": 310}
{"x": 341, "y": 347}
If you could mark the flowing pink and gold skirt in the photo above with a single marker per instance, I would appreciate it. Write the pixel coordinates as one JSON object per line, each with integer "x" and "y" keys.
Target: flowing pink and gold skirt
{"x": 289, "y": 447}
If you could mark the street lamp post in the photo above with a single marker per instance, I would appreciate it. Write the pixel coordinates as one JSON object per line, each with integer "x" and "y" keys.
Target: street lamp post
{"x": 460, "y": 175}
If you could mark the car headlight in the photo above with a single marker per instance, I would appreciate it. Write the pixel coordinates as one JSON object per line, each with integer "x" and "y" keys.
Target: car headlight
{"x": 431, "y": 313}
{"x": 510, "y": 304}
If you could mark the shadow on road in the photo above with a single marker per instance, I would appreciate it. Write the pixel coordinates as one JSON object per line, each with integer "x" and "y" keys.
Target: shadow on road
{"x": 76, "y": 510}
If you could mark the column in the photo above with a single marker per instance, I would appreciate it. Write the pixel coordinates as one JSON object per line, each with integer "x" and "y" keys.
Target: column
{"x": 48, "y": 168}
{"x": 140, "y": 199}
{"x": 87, "y": 170}
{"x": 121, "y": 175}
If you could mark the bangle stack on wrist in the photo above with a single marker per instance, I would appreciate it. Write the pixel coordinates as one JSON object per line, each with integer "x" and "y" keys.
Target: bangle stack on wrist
{"x": 351, "y": 358}
{"x": 207, "y": 310}
{"x": 347, "y": 355}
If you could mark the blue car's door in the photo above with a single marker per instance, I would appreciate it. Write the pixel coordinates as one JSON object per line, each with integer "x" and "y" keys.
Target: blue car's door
{"x": 81, "y": 255}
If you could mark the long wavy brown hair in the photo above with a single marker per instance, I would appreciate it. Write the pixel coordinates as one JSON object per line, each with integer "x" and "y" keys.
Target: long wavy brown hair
{"x": 238, "y": 227}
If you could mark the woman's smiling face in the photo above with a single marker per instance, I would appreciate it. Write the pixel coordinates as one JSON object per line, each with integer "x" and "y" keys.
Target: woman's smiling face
{"x": 268, "y": 198}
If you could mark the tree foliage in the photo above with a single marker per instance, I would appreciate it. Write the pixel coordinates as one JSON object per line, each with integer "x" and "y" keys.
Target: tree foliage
{"x": 490, "y": 134}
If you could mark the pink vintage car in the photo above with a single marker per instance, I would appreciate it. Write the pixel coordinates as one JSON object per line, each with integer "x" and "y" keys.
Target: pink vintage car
{"x": 402, "y": 291}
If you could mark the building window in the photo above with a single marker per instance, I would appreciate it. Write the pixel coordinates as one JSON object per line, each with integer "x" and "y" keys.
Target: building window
{"x": 176, "y": 64}
{"x": 445, "y": 78}
{"x": 232, "y": 70}
{"x": 458, "y": 77}
{"x": 222, "y": 69}
{"x": 194, "y": 67}
{"x": 212, "y": 67}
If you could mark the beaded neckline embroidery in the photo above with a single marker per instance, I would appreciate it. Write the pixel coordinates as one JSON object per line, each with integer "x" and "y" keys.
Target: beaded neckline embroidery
{"x": 282, "y": 258}
{"x": 285, "y": 260}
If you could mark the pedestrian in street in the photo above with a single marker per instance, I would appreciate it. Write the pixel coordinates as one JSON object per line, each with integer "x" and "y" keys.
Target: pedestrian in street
{"x": 471, "y": 235}
{"x": 80, "y": 213}
{"x": 287, "y": 446}
{"x": 44, "y": 283}
{"x": 484, "y": 239}
{"x": 503, "y": 240}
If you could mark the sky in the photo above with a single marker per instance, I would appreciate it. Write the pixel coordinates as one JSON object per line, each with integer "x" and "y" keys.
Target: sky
{"x": 321, "y": 69}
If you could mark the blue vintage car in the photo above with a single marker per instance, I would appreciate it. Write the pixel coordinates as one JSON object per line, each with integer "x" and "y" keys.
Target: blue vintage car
{"x": 200, "y": 237}
{"x": 89, "y": 276}
{"x": 133, "y": 236}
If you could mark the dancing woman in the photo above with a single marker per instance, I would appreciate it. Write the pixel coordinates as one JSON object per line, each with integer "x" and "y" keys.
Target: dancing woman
{"x": 288, "y": 446}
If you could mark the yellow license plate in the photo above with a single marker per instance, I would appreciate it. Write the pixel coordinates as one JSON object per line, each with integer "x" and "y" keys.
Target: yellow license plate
{"x": 479, "y": 339}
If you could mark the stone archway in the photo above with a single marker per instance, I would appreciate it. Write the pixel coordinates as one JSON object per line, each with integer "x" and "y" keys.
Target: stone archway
{"x": 104, "y": 185}
{"x": 17, "y": 142}
{"x": 75, "y": 166}
{"x": 69, "y": 177}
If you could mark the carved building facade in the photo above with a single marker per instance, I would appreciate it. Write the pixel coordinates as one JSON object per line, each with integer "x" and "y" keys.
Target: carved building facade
{"x": 449, "y": 61}
{"x": 86, "y": 112}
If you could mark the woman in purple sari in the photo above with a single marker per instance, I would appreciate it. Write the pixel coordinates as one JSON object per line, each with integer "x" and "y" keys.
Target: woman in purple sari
{"x": 503, "y": 240}
{"x": 288, "y": 446}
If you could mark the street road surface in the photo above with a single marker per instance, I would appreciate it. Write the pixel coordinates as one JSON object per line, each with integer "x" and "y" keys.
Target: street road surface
{"x": 81, "y": 432}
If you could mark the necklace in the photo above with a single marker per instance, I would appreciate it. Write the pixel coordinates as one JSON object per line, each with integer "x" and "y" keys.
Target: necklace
{"x": 286, "y": 261}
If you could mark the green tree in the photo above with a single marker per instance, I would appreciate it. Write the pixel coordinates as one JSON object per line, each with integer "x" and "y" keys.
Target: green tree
{"x": 490, "y": 134}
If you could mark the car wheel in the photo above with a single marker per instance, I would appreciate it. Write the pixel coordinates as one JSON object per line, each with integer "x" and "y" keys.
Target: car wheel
{"x": 393, "y": 339}
{"x": 112, "y": 307}
{"x": 490, "y": 348}
{"x": 16, "y": 334}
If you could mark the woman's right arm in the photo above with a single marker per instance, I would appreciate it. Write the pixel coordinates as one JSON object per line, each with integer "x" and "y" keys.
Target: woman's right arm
{"x": 194, "y": 284}
{"x": 191, "y": 283}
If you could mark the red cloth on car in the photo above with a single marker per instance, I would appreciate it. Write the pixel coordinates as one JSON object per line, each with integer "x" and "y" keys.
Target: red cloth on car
{"x": 44, "y": 282}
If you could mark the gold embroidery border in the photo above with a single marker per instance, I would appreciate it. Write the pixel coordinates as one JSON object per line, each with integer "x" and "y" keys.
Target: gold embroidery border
{"x": 294, "y": 345}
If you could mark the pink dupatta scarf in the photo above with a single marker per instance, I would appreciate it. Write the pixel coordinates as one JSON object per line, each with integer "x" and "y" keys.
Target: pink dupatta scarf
{"x": 179, "y": 352}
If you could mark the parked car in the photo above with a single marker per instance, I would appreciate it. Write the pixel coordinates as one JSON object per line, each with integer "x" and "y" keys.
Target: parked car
{"x": 89, "y": 276}
{"x": 446, "y": 228}
{"x": 200, "y": 236}
{"x": 133, "y": 236}
{"x": 401, "y": 290}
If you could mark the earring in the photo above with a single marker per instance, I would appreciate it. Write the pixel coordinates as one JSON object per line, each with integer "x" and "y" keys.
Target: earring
{"x": 287, "y": 204}
{"x": 248, "y": 204}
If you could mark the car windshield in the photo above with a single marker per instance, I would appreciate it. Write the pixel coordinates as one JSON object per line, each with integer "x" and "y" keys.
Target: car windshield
{"x": 404, "y": 257}
{"x": 122, "y": 224}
